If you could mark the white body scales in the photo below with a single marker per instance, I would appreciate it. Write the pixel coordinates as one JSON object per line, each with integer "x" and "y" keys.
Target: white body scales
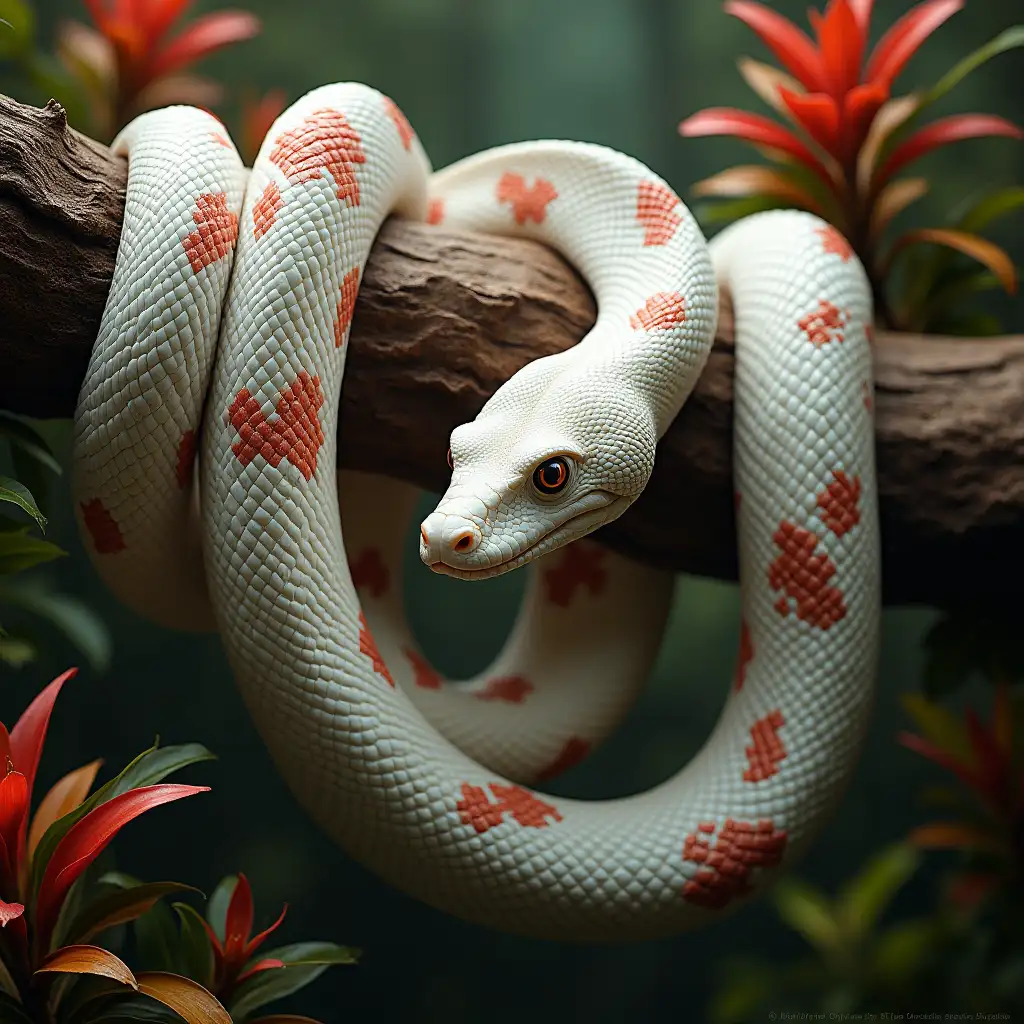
{"x": 231, "y": 302}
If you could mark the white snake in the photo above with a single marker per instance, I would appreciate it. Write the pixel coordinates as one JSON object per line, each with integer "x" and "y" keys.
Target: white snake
{"x": 420, "y": 779}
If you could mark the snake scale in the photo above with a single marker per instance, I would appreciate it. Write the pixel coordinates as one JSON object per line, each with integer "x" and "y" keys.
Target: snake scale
{"x": 205, "y": 486}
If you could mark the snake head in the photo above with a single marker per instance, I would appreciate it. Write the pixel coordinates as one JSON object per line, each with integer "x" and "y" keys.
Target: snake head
{"x": 546, "y": 462}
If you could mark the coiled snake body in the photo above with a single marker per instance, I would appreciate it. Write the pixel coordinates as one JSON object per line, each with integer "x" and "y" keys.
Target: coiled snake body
{"x": 229, "y": 311}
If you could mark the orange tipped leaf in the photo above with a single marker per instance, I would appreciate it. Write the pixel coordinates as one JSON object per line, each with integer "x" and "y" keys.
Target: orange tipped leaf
{"x": 83, "y": 959}
{"x": 841, "y": 42}
{"x": 989, "y": 254}
{"x": 893, "y": 200}
{"x": 65, "y": 795}
{"x": 754, "y": 179}
{"x": 955, "y": 835}
{"x": 766, "y": 81}
{"x": 187, "y": 998}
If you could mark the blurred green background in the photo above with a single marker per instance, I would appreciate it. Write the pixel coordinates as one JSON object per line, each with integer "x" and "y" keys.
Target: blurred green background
{"x": 470, "y": 74}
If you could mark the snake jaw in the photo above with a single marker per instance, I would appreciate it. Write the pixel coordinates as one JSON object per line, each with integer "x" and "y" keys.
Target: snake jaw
{"x": 575, "y": 521}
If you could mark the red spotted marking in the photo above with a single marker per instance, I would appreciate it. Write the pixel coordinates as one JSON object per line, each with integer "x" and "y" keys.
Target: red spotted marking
{"x": 405, "y": 132}
{"x": 426, "y": 676}
{"x": 657, "y": 210}
{"x": 833, "y": 241}
{"x": 527, "y": 203}
{"x": 824, "y": 325}
{"x": 579, "y": 566}
{"x": 660, "y": 312}
{"x": 766, "y": 750}
{"x": 510, "y": 689}
{"x": 296, "y": 434}
{"x": 370, "y": 573}
{"x": 838, "y": 503}
{"x": 803, "y": 577}
{"x": 324, "y": 141}
{"x": 186, "y": 456}
{"x": 264, "y": 210}
{"x": 746, "y": 655}
{"x": 346, "y": 306}
{"x": 221, "y": 139}
{"x": 216, "y": 231}
{"x": 869, "y": 333}
{"x": 726, "y": 867}
{"x": 869, "y": 402}
{"x": 368, "y": 646}
{"x": 525, "y": 808}
{"x": 574, "y": 751}
{"x": 435, "y": 211}
{"x": 105, "y": 533}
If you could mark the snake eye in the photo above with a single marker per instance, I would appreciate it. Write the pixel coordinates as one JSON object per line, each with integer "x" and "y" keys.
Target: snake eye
{"x": 451, "y": 465}
{"x": 551, "y": 475}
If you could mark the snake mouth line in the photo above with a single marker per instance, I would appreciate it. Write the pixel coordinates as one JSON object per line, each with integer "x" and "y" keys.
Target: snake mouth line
{"x": 572, "y": 529}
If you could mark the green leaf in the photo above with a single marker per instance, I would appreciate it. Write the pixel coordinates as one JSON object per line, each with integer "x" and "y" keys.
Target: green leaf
{"x": 900, "y": 952}
{"x": 20, "y": 21}
{"x": 217, "y": 905}
{"x": 11, "y": 1011}
{"x": 82, "y": 626}
{"x": 972, "y": 325}
{"x": 18, "y": 494}
{"x": 746, "y": 987}
{"x": 20, "y": 551}
{"x": 156, "y": 938}
{"x": 16, "y": 651}
{"x": 304, "y": 963}
{"x": 939, "y": 725}
{"x": 132, "y": 1009}
{"x": 149, "y": 768}
{"x": 863, "y": 900}
{"x": 734, "y": 209}
{"x": 807, "y": 911}
{"x": 196, "y": 951}
{"x": 118, "y": 908}
{"x": 948, "y": 657}
{"x": 1009, "y": 39}
{"x": 992, "y": 207}
{"x": 21, "y": 436}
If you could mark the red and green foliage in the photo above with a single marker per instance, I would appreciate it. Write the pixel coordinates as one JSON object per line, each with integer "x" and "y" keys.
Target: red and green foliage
{"x": 56, "y": 908}
{"x": 848, "y": 138}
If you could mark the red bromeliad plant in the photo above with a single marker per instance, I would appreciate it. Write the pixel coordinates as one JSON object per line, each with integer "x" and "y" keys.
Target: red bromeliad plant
{"x": 52, "y": 909}
{"x": 129, "y": 62}
{"x": 989, "y": 763}
{"x": 849, "y": 139}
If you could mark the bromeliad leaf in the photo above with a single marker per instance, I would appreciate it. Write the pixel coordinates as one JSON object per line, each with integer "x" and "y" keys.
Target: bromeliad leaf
{"x": 18, "y": 494}
{"x": 119, "y": 908}
{"x": 12, "y": 1012}
{"x": 807, "y": 911}
{"x": 185, "y": 997}
{"x": 27, "y": 439}
{"x": 82, "y": 626}
{"x": 63, "y": 797}
{"x": 217, "y": 905}
{"x": 304, "y": 963}
{"x": 156, "y": 938}
{"x": 84, "y": 841}
{"x": 938, "y": 724}
{"x": 991, "y": 207}
{"x": 149, "y": 768}
{"x": 863, "y": 899}
{"x": 83, "y": 959}
{"x": 19, "y": 551}
{"x": 194, "y": 944}
{"x": 988, "y": 253}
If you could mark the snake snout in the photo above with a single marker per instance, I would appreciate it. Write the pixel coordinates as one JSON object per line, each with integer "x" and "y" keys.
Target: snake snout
{"x": 446, "y": 536}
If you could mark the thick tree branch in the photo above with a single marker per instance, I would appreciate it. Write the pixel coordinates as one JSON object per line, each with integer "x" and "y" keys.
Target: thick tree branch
{"x": 444, "y": 318}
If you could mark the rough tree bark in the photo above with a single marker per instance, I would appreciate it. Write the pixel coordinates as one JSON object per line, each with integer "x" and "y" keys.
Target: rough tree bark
{"x": 443, "y": 318}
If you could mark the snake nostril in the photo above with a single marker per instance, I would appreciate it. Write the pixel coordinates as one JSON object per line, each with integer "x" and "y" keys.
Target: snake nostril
{"x": 463, "y": 542}
{"x": 423, "y": 534}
